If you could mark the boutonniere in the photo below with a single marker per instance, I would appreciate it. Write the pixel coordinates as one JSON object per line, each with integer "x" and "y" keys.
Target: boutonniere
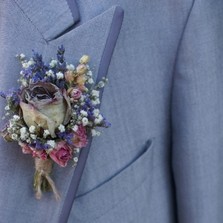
{"x": 53, "y": 113}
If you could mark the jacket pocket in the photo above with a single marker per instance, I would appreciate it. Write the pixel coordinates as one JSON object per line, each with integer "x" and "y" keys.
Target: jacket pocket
{"x": 96, "y": 202}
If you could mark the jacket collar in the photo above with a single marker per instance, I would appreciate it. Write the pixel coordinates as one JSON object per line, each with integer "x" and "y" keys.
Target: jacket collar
{"x": 74, "y": 10}
{"x": 50, "y": 17}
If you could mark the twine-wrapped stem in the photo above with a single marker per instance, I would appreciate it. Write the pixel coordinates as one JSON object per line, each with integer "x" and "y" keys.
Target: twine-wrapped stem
{"x": 42, "y": 179}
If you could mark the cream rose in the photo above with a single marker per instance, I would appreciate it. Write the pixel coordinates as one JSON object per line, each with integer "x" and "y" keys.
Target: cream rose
{"x": 45, "y": 105}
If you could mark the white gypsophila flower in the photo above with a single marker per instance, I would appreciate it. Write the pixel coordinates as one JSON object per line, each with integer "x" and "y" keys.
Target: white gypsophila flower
{"x": 75, "y": 159}
{"x": 79, "y": 118}
{"x": 61, "y": 128}
{"x": 16, "y": 117}
{"x": 14, "y": 129}
{"x": 74, "y": 113}
{"x": 98, "y": 120}
{"x": 23, "y": 130}
{"x": 25, "y": 65}
{"x": 7, "y": 107}
{"x": 46, "y": 133}
{"x": 70, "y": 67}
{"x": 14, "y": 136}
{"x": 77, "y": 150}
{"x": 75, "y": 128}
{"x": 100, "y": 117}
{"x": 24, "y": 135}
{"x": 33, "y": 136}
{"x": 59, "y": 75}
{"x": 101, "y": 84}
{"x": 30, "y": 62}
{"x": 28, "y": 140}
{"x": 78, "y": 122}
{"x": 53, "y": 63}
{"x": 21, "y": 72}
{"x": 82, "y": 98}
{"x": 22, "y": 56}
{"x": 11, "y": 123}
{"x": 9, "y": 130}
{"x": 32, "y": 129}
{"x": 96, "y": 102}
{"x": 89, "y": 73}
{"x": 98, "y": 133}
{"x": 50, "y": 73}
{"x": 51, "y": 143}
{"x": 93, "y": 132}
{"x": 24, "y": 82}
{"x": 96, "y": 112}
{"x": 84, "y": 113}
{"x": 95, "y": 93}
{"x": 84, "y": 121}
{"x": 90, "y": 81}
{"x": 104, "y": 79}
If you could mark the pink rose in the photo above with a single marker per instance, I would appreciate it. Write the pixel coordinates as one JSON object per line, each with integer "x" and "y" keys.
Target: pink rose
{"x": 25, "y": 148}
{"x": 61, "y": 153}
{"x": 75, "y": 93}
{"x": 40, "y": 154}
{"x": 80, "y": 137}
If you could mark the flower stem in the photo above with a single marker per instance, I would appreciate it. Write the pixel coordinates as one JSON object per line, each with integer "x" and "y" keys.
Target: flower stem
{"x": 42, "y": 180}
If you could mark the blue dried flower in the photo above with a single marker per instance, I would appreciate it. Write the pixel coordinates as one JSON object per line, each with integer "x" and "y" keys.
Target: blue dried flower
{"x": 41, "y": 146}
{"x": 2, "y": 94}
{"x": 105, "y": 123}
{"x": 61, "y": 66}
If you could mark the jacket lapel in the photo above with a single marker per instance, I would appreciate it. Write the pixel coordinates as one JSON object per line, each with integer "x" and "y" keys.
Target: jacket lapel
{"x": 96, "y": 38}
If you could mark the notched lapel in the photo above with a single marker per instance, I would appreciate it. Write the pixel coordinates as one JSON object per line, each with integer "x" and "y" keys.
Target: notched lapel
{"x": 96, "y": 38}
{"x": 50, "y": 17}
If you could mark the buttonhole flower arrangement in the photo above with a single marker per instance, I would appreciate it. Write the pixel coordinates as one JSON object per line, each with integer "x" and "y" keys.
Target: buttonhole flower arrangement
{"x": 53, "y": 113}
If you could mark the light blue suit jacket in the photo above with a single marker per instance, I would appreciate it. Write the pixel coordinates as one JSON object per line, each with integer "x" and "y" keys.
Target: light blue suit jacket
{"x": 161, "y": 161}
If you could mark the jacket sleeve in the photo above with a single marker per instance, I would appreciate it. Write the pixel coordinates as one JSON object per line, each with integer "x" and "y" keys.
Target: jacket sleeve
{"x": 197, "y": 116}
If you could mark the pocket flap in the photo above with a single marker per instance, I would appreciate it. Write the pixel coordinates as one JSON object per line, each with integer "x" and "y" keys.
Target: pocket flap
{"x": 101, "y": 199}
